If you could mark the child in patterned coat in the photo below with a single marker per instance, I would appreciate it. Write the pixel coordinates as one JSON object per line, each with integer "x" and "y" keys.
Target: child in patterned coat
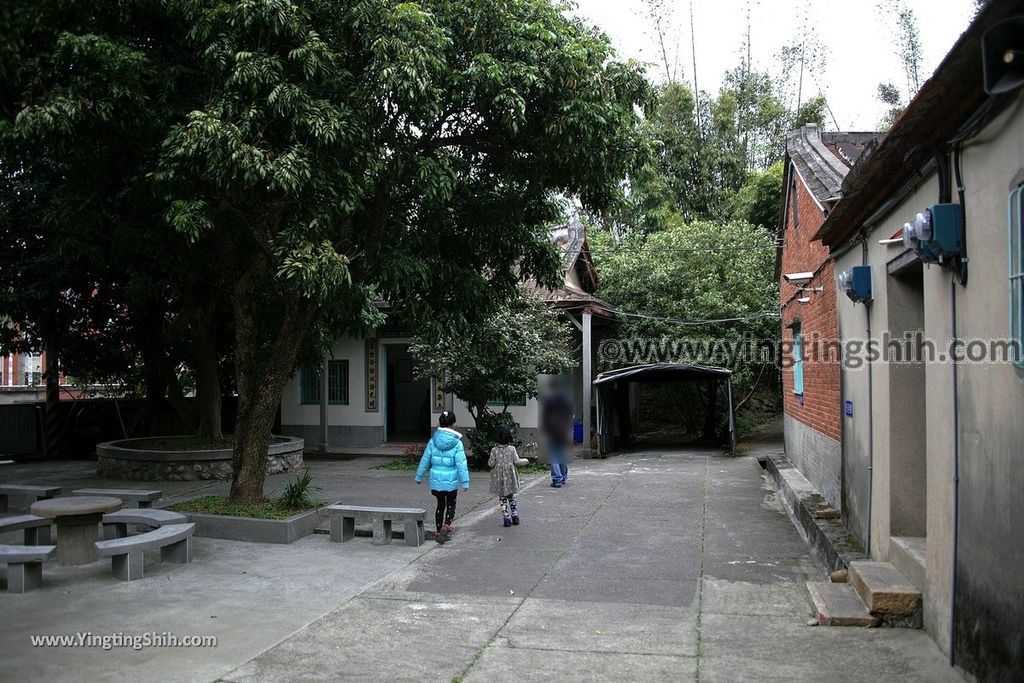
{"x": 503, "y": 461}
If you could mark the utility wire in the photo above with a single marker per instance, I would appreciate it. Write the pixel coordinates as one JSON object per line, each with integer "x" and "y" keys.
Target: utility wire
{"x": 680, "y": 250}
{"x": 679, "y": 321}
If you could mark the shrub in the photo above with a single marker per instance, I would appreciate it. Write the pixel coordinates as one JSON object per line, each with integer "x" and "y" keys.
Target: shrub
{"x": 481, "y": 439}
{"x": 299, "y": 493}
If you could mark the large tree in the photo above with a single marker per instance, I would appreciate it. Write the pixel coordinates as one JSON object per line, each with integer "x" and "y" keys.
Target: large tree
{"x": 711, "y": 157}
{"x": 500, "y": 357}
{"x": 90, "y": 268}
{"x": 690, "y": 273}
{"x": 328, "y": 154}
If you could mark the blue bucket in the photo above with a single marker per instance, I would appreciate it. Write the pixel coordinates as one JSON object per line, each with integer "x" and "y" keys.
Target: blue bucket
{"x": 577, "y": 431}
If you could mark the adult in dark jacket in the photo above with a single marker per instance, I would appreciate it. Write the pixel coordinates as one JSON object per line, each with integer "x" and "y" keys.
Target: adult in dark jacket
{"x": 556, "y": 424}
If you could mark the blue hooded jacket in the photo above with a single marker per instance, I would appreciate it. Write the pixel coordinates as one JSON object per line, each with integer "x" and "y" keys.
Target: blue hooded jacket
{"x": 445, "y": 457}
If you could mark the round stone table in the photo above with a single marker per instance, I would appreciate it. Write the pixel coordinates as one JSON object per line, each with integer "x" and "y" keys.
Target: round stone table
{"x": 76, "y": 518}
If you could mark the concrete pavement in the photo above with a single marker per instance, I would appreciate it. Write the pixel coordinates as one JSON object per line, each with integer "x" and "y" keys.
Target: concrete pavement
{"x": 660, "y": 565}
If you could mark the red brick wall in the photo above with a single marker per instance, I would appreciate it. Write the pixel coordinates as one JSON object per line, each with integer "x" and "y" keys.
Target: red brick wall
{"x": 821, "y": 398}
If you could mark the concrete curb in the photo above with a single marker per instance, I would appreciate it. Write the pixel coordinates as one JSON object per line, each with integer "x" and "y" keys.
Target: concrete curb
{"x": 835, "y": 545}
{"x": 286, "y": 530}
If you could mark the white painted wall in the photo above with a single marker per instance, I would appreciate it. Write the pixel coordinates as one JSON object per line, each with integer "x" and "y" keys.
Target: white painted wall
{"x": 990, "y": 396}
{"x": 352, "y": 350}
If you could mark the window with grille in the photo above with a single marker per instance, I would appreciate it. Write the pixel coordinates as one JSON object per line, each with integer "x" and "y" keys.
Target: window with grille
{"x": 798, "y": 360}
{"x": 337, "y": 384}
{"x": 1015, "y": 221}
{"x": 521, "y": 401}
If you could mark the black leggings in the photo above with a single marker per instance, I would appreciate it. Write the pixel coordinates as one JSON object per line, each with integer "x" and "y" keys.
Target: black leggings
{"x": 445, "y": 512}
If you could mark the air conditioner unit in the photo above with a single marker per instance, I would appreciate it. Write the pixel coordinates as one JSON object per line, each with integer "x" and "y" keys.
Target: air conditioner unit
{"x": 856, "y": 283}
{"x": 936, "y": 235}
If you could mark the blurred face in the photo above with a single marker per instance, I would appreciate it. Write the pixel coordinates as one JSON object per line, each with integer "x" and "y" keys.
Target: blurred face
{"x": 550, "y": 384}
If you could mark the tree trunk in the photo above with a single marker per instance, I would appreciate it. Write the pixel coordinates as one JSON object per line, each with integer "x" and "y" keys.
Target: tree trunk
{"x": 52, "y": 423}
{"x": 162, "y": 382}
{"x": 176, "y": 395}
{"x": 265, "y": 356}
{"x": 208, "y": 396}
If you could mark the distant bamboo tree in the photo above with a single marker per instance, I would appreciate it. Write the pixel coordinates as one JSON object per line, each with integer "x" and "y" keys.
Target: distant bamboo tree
{"x": 910, "y": 53}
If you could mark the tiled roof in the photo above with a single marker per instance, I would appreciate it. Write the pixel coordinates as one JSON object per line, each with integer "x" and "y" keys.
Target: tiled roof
{"x": 824, "y": 159}
{"x": 568, "y": 237}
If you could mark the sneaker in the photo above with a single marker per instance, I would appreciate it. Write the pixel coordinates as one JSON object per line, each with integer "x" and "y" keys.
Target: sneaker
{"x": 508, "y": 521}
{"x": 437, "y": 536}
{"x": 515, "y": 520}
{"x": 445, "y": 535}
{"x": 448, "y": 528}
{"x": 555, "y": 485}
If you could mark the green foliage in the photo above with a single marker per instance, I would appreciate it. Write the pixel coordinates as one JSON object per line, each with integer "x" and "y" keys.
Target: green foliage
{"x": 399, "y": 465}
{"x": 534, "y": 468}
{"x": 298, "y": 494}
{"x": 498, "y": 357}
{"x": 296, "y": 162}
{"x": 692, "y": 272}
{"x": 481, "y": 439}
{"x": 889, "y": 95}
{"x": 810, "y": 111}
{"x": 703, "y": 152}
{"x": 221, "y": 505}
{"x": 907, "y": 45}
{"x": 758, "y": 201}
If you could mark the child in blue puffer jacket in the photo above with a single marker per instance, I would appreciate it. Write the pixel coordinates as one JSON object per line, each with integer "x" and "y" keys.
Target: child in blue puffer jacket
{"x": 445, "y": 457}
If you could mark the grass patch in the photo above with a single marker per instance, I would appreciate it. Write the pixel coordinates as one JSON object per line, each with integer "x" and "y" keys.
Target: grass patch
{"x": 271, "y": 508}
{"x": 534, "y": 468}
{"x": 399, "y": 465}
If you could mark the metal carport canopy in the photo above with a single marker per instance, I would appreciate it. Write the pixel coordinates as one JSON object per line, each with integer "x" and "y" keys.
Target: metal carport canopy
{"x": 662, "y": 372}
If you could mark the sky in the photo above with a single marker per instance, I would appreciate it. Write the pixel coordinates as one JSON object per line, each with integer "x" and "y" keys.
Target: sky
{"x": 857, "y": 35}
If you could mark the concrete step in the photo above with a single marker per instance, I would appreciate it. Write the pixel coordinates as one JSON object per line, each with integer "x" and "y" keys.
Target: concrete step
{"x": 908, "y": 555}
{"x": 837, "y": 604}
{"x": 884, "y": 589}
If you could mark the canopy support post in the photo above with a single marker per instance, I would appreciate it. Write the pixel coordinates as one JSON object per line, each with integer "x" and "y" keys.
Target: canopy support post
{"x": 587, "y": 381}
{"x": 732, "y": 426}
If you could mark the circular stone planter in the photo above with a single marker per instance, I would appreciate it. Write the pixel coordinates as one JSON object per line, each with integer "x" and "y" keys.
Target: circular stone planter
{"x": 122, "y": 460}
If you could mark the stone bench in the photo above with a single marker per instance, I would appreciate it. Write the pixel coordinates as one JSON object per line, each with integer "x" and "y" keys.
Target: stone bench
{"x": 115, "y": 524}
{"x": 133, "y": 498}
{"x": 25, "y": 565}
{"x": 174, "y": 542}
{"x": 344, "y": 518}
{"x": 31, "y": 493}
{"x": 37, "y": 529}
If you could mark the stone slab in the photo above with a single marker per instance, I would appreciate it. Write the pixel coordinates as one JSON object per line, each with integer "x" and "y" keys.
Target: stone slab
{"x": 602, "y": 627}
{"x": 127, "y": 495}
{"x": 754, "y": 599}
{"x": 409, "y": 640}
{"x": 459, "y": 569}
{"x": 249, "y": 596}
{"x": 785, "y": 649}
{"x": 507, "y": 663}
{"x": 908, "y": 555}
{"x": 884, "y": 589}
{"x": 29, "y": 490}
{"x": 71, "y": 506}
{"x": 592, "y": 587}
{"x": 837, "y": 604}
